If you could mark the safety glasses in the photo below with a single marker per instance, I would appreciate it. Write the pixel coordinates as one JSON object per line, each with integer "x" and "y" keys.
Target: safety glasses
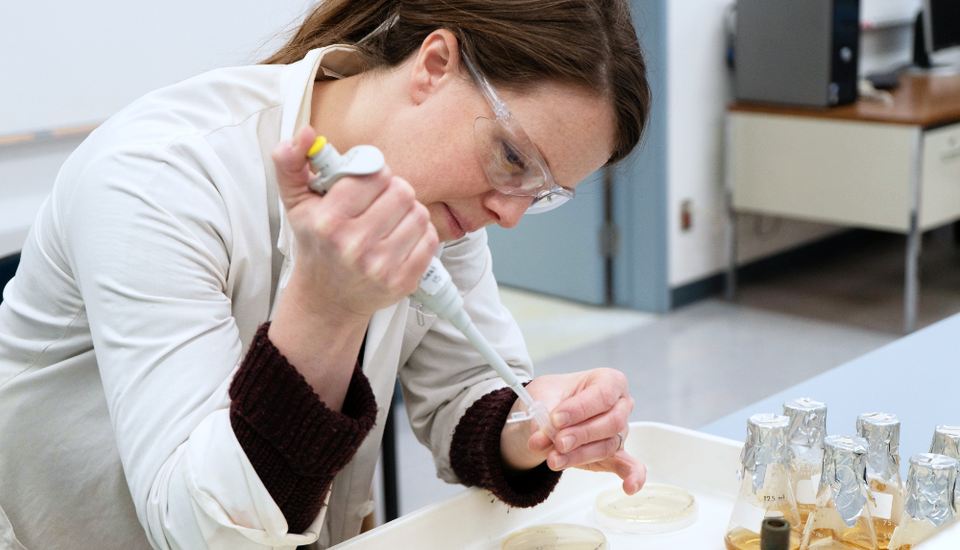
{"x": 511, "y": 161}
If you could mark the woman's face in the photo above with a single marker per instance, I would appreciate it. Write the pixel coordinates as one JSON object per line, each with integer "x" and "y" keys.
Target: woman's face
{"x": 433, "y": 147}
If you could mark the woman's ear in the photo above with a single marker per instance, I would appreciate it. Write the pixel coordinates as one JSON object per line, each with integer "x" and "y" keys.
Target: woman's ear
{"x": 436, "y": 64}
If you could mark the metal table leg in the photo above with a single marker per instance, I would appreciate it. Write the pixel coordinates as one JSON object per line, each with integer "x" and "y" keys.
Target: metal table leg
{"x": 388, "y": 451}
{"x": 911, "y": 289}
{"x": 731, "y": 234}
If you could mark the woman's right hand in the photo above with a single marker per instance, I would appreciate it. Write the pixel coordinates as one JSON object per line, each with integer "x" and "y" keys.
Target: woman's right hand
{"x": 362, "y": 246}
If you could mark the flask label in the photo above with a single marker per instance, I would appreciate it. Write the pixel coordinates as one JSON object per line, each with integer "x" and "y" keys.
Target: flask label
{"x": 807, "y": 490}
{"x": 806, "y": 494}
{"x": 883, "y": 507}
{"x": 750, "y": 517}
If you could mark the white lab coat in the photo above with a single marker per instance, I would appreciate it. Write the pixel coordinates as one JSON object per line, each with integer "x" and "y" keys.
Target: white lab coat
{"x": 141, "y": 285}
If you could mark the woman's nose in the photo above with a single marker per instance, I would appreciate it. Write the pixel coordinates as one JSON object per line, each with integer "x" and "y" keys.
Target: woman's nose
{"x": 507, "y": 208}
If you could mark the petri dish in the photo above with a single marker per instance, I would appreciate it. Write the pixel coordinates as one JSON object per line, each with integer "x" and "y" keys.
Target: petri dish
{"x": 557, "y": 536}
{"x": 654, "y": 509}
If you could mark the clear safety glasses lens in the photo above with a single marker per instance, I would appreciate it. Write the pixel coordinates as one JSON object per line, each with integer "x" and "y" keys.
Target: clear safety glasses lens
{"x": 513, "y": 168}
{"x": 549, "y": 200}
{"x": 509, "y": 158}
{"x": 506, "y": 160}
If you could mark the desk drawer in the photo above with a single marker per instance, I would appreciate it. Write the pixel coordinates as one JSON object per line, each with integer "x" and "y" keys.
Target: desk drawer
{"x": 834, "y": 171}
{"x": 940, "y": 193}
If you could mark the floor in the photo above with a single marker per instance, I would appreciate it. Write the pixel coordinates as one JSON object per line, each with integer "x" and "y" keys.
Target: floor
{"x": 864, "y": 288}
{"x": 698, "y": 363}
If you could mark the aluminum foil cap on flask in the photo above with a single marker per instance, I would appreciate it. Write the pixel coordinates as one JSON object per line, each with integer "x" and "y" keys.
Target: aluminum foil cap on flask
{"x": 930, "y": 486}
{"x": 946, "y": 441}
{"x": 882, "y": 432}
{"x": 808, "y": 421}
{"x": 766, "y": 444}
{"x": 845, "y": 471}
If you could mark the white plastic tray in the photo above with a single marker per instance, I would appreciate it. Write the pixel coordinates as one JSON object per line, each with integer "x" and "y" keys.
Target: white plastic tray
{"x": 703, "y": 464}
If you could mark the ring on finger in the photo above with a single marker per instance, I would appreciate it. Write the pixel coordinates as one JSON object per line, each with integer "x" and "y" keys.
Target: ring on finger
{"x": 620, "y": 445}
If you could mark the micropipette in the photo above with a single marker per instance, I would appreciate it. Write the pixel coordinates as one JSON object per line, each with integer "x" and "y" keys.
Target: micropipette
{"x": 436, "y": 290}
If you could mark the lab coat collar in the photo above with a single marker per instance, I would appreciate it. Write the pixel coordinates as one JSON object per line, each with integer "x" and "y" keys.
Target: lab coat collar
{"x": 328, "y": 63}
{"x": 331, "y": 62}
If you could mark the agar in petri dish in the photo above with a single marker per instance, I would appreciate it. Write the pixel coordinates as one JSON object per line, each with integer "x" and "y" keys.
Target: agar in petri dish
{"x": 557, "y": 536}
{"x": 653, "y": 509}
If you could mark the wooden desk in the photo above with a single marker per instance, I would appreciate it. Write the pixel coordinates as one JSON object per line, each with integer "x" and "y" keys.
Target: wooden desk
{"x": 890, "y": 167}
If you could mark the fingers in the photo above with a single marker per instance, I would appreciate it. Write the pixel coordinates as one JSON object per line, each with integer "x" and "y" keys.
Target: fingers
{"x": 601, "y": 427}
{"x": 587, "y": 453}
{"x": 392, "y": 239}
{"x": 290, "y": 160}
{"x": 394, "y": 204}
{"x": 403, "y": 255}
{"x": 597, "y": 411}
{"x": 600, "y": 391}
{"x": 629, "y": 469}
{"x": 354, "y": 195}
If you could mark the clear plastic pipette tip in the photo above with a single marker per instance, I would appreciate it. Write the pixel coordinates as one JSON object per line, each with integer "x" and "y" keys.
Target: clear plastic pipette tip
{"x": 536, "y": 410}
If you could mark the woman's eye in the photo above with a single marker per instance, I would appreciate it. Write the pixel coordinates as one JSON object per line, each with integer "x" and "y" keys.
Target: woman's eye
{"x": 510, "y": 156}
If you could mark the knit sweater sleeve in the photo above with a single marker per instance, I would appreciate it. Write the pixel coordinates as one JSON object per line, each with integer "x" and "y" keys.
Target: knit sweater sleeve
{"x": 295, "y": 443}
{"x": 475, "y": 454}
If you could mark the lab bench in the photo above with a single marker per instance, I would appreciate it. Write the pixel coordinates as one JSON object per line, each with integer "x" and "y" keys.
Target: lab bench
{"x": 916, "y": 377}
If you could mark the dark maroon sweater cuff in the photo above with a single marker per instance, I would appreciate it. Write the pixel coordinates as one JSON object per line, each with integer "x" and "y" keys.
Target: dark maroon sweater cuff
{"x": 295, "y": 443}
{"x": 475, "y": 454}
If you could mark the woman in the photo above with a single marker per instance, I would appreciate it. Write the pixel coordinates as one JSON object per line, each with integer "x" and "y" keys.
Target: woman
{"x": 198, "y": 350}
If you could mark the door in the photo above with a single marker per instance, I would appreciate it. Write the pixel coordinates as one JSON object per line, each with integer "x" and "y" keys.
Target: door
{"x": 558, "y": 252}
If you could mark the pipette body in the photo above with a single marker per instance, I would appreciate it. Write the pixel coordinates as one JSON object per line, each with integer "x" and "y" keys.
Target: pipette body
{"x": 436, "y": 289}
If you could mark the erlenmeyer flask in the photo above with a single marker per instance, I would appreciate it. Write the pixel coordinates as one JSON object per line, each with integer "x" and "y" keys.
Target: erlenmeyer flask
{"x": 929, "y": 501}
{"x": 946, "y": 442}
{"x": 765, "y": 484}
{"x": 882, "y": 432}
{"x": 841, "y": 519}
{"x": 805, "y": 435}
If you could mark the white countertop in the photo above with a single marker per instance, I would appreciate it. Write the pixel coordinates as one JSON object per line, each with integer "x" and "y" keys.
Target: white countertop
{"x": 916, "y": 377}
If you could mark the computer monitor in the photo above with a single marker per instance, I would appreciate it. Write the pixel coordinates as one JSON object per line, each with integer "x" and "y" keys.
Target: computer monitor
{"x": 941, "y": 24}
{"x": 936, "y": 31}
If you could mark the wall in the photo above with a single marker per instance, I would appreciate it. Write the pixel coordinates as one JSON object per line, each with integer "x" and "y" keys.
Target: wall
{"x": 66, "y": 64}
{"x": 699, "y": 88}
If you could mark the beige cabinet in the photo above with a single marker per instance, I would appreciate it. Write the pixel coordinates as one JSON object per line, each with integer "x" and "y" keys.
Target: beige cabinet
{"x": 893, "y": 167}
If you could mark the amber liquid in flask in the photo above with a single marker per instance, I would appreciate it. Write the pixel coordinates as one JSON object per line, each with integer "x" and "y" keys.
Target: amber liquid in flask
{"x": 742, "y": 539}
{"x": 805, "y": 480}
{"x": 929, "y": 499}
{"x": 881, "y": 526}
{"x": 773, "y": 500}
{"x": 842, "y": 517}
{"x": 857, "y": 538}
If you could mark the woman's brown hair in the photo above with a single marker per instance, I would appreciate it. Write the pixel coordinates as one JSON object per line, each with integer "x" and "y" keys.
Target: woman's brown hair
{"x": 514, "y": 43}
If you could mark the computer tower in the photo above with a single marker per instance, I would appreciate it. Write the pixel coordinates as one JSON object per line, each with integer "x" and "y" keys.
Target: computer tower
{"x": 799, "y": 52}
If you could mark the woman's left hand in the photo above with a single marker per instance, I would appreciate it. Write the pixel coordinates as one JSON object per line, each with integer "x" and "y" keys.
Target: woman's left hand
{"x": 591, "y": 410}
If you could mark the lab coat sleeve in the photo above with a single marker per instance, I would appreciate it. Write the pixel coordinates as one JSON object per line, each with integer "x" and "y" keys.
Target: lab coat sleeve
{"x": 475, "y": 454}
{"x": 148, "y": 238}
{"x": 294, "y": 441}
{"x": 445, "y": 374}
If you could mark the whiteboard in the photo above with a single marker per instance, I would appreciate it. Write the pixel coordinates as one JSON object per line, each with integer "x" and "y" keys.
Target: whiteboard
{"x": 70, "y": 63}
